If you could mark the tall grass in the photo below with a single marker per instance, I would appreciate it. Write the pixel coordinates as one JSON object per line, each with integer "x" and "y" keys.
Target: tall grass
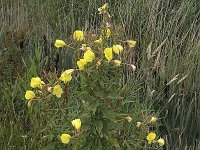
{"x": 153, "y": 21}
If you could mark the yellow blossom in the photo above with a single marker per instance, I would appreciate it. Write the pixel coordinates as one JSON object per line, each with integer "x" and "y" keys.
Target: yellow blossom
{"x": 78, "y": 35}
{"x": 139, "y": 124}
{"x": 59, "y": 43}
{"x": 89, "y": 56}
{"x": 117, "y": 49}
{"x": 161, "y": 142}
{"x": 153, "y": 119}
{"x": 151, "y": 137}
{"x": 106, "y": 32}
{"x": 129, "y": 119}
{"x": 99, "y": 41}
{"x": 117, "y": 63}
{"x": 57, "y": 91}
{"x": 131, "y": 43}
{"x": 103, "y": 9}
{"x": 29, "y": 94}
{"x": 65, "y": 138}
{"x": 81, "y": 64}
{"x": 29, "y": 103}
{"x": 83, "y": 47}
{"x": 108, "y": 54}
{"x": 98, "y": 64}
{"x": 66, "y": 76}
{"x": 88, "y": 48}
{"x": 76, "y": 123}
{"x": 36, "y": 82}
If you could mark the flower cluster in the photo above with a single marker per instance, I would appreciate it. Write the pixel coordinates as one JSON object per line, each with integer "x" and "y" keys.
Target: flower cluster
{"x": 36, "y": 82}
{"x": 89, "y": 55}
{"x": 65, "y": 138}
{"x": 151, "y": 137}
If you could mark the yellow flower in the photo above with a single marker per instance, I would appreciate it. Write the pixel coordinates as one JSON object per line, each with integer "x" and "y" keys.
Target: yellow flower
{"x": 83, "y": 47}
{"x": 106, "y": 32}
{"x": 30, "y": 103}
{"x": 65, "y": 138}
{"x": 57, "y": 91}
{"x": 151, "y": 137}
{"x": 59, "y": 43}
{"x": 139, "y": 124}
{"x": 161, "y": 142}
{"x": 99, "y": 41}
{"x": 81, "y": 64}
{"x": 36, "y": 82}
{"x": 131, "y": 43}
{"x": 108, "y": 54}
{"x": 129, "y": 119}
{"x": 153, "y": 119}
{"x": 98, "y": 64}
{"x": 66, "y": 76}
{"x": 117, "y": 63}
{"x": 103, "y": 9}
{"x": 78, "y": 35}
{"x": 89, "y": 56}
{"x": 29, "y": 94}
{"x": 76, "y": 123}
{"x": 117, "y": 49}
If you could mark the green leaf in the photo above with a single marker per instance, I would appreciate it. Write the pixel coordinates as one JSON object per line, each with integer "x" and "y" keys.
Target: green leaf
{"x": 99, "y": 126}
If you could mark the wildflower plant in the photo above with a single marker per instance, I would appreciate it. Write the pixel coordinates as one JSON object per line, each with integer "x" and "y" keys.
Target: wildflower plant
{"x": 98, "y": 71}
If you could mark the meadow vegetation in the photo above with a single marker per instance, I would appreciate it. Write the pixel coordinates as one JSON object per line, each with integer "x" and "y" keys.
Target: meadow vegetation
{"x": 84, "y": 97}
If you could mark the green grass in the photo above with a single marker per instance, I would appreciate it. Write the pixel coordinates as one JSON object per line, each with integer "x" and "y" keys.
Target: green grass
{"x": 146, "y": 22}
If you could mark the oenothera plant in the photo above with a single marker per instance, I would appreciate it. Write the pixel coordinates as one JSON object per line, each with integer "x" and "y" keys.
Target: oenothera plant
{"x": 99, "y": 63}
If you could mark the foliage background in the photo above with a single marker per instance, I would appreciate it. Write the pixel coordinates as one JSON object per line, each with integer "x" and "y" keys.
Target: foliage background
{"x": 147, "y": 22}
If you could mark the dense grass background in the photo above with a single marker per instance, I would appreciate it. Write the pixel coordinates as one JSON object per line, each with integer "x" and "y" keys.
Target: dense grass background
{"x": 151, "y": 22}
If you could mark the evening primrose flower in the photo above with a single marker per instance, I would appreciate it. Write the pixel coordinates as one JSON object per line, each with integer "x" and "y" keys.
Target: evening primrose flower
{"x": 83, "y": 47}
{"x": 131, "y": 43}
{"x": 153, "y": 119}
{"x": 117, "y": 63}
{"x": 117, "y": 49}
{"x": 57, "y": 91}
{"x": 29, "y": 104}
{"x": 103, "y": 9}
{"x": 161, "y": 142}
{"x": 36, "y": 82}
{"x": 66, "y": 76}
{"x": 89, "y": 56}
{"x": 59, "y": 43}
{"x": 129, "y": 119}
{"x": 81, "y": 64}
{"x": 151, "y": 137}
{"x": 65, "y": 138}
{"x": 29, "y": 94}
{"x": 99, "y": 41}
{"x": 76, "y": 123}
{"x": 108, "y": 54}
{"x": 78, "y": 35}
{"x": 139, "y": 124}
{"x": 98, "y": 64}
{"x": 106, "y": 32}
